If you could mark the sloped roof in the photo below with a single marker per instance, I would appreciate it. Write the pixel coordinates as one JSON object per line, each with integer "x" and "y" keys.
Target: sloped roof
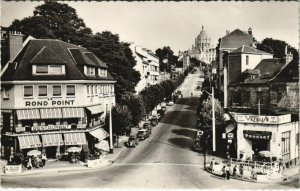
{"x": 47, "y": 56}
{"x": 248, "y": 50}
{"x": 42, "y": 51}
{"x": 288, "y": 73}
{"x": 267, "y": 68}
{"x": 236, "y": 39}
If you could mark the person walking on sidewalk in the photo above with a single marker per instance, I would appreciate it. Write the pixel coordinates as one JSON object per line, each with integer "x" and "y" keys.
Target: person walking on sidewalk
{"x": 224, "y": 172}
{"x": 44, "y": 159}
{"x": 234, "y": 171}
{"x": 212, "y": 163}
{"x": 228, "y": 172}
{"x": 29, "y": 164}
{"x": 241, "y": 170}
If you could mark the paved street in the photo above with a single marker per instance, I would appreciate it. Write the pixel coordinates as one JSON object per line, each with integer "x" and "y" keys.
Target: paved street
{"x": 165, "y": 160}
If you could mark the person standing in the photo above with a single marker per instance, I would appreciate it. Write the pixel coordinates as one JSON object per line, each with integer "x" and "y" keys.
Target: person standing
{"x": 212, "y": 163}
{"x": 224, "y": 172}
{"x": 234, "y": 171}
{"x": 228, "y": 172}
{"x": 253, "y": 173}
{"x": 29, "y": 164}
{"x": 241, "y": 170}
{"x": 44, "y": 159}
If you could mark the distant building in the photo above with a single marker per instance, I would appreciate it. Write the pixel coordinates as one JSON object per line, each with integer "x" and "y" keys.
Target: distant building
{"x": 185, "y": 60}
{"x": 53, "y": 95}
{"x": 203, "y": 49}
{"x": 147, "y": 63}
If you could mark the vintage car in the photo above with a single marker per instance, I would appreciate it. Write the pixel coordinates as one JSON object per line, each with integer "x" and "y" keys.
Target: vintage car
{"x": 170, "y": 103}
{"x": 142, "y": 134}
{"x": 132, "y": 141}
{"x": 148, "y": 127}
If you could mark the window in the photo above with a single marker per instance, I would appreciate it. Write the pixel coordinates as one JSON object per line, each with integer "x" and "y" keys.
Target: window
{"x": 42, "y": 69}
{"x": 70, "y": 90}
{"x": 88, "y": 89}
{"x": 90, "y": 70}
{"x": 5, "y": 94}
{"x": 56, "y": 90}
{"x": 92, "y": 89}
{"x": 56, "y": 69}
{"x": 28, "y": 91}
{"x": 96, "y": 92}
{"x": 42, "y": 90}
{"x": 247, "y": 60}
{"x": 49, "y": 69}
{"x": 285, "y": 145}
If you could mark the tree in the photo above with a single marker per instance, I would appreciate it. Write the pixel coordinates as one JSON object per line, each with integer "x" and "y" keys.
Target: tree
{"x": 289, "y": 102}
{"x": 206, "y": 112}
{"x": 136, "y": 107}
{"x": 166, "y": 53}
{"x": 54, "y": 20}
{"x": 277, "y": 48}
{"x": 121, "y": 118}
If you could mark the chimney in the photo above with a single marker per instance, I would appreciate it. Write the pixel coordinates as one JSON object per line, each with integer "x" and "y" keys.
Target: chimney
{"x": 227, "y": 32}
{"x": 288, "y": 56}
{"x": 250, "y": 31}
{"x": 15, "y": 44}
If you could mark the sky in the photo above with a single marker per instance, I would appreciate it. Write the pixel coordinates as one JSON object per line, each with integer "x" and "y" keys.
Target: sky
{"x": 177, "y": 24}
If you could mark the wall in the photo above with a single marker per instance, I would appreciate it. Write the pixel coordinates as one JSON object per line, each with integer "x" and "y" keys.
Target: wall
{"x": 254, "y": 60}
{"x": 234, "y": 68}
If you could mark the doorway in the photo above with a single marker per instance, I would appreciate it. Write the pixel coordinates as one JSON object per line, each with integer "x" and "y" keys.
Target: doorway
{"x": 51, "y": 152}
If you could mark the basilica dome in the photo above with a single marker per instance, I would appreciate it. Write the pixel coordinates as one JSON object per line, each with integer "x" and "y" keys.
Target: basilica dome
{"x": 202, "y": 34}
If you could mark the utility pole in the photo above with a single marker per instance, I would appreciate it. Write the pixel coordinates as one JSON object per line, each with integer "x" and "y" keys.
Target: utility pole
{"x": 111, "y": 150}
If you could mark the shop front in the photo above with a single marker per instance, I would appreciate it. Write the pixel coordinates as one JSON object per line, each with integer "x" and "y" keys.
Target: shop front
{"x": 275, "y": 135}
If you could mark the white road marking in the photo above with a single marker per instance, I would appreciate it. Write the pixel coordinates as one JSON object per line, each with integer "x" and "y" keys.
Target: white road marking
{"x": 157, "y": 164}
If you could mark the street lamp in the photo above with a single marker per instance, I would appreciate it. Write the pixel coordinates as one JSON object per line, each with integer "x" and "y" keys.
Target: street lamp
{"x": 213, "y": 117}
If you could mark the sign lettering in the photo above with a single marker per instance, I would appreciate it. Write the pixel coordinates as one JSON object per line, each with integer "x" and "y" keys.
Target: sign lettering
{"x": 264, "y": 119}
{"x": 49, "y": 103}
{"x": 265, "y": 135}
{"x": 50, "y": 127}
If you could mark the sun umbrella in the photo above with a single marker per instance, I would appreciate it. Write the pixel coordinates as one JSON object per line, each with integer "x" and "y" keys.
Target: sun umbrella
{"x": 74, "y": 149}
{"x": 33, "y": 153}
{"x": 266, "y": 154}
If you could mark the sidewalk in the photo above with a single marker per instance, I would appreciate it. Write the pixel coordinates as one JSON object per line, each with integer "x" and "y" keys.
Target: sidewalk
{"x": 54, "y": 166}
{"x": 285, "y": 175}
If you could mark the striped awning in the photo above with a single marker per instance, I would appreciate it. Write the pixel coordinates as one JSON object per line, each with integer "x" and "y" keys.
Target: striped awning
{"x": 52, "y": 140}
{"x": 75, "y": 139}
{"x": 73, "y": 112}
{"x": 51, "y": 113}
{"x": 95, "y": 109}
{"x": 25, "y": 114}
{"x": 29, "y": 141}
{"x": 99, "y": 133}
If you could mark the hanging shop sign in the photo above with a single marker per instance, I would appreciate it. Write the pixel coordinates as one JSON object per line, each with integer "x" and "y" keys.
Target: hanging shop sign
{"x": 49, "y": 103}
{"x": 230, "y": 135}
{"x": 263, "y": 119}
{"x": 50, "y": 127}
{"x": 264, "y": 135}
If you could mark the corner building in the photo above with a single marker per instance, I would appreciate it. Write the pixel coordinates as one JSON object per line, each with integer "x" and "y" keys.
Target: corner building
{"x": 54, "y": 95}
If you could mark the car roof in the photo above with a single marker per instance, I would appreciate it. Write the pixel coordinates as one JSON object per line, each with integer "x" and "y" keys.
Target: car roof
{"x": 142, "y": 130}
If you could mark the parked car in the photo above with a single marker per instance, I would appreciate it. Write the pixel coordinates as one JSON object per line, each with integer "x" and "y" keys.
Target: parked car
{"x": 161, "y": 113}
{"x": 170, "y": 103}
{"x": 163, "y": 108}
{"x": 132, "y": 141}
{"x": 154, "y": 120}
{"x": 142, "y": 134}
{"x": 147, "y": 126}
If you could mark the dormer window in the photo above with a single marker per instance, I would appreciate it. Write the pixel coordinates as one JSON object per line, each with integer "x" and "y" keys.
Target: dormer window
{"x": 89, "y": 70}
{"x": 48, "y": 69}
{"x": 102, "y": 72}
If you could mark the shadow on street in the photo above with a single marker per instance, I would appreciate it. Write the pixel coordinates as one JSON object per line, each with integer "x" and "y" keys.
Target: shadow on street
{"x": 185, "y": 132}
{"x": 186, "y": 143}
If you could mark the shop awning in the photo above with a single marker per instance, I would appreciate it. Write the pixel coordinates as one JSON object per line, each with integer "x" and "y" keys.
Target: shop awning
{"x": 51, "y": 113}
{"x": 103, "y": 145}
{"x": 29, "y": 141}
{"x": 95, "y": 109}
{"x": 25, "y": 114}
{"x": 73, "y": 112}
{"x": 230, "y": 127}
{"x": 99, "y": 133}
{"x": 52, "y": 140}
{"x": 75, "y": 139}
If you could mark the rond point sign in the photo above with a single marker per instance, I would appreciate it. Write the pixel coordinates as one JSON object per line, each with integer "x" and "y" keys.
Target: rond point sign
{"x": 49, "y": 103}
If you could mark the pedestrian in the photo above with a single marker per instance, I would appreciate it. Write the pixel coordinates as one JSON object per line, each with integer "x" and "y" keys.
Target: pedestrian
{"x": 192, "y": 94}
{"x": 44, "y": 159}
{"x": 212, "y": 163}
{"x": 224, "y": 172}
{"x": 241, "y": 170}
{"x": 234, "y": 171}
{"x": 228, "y": 172}
{"x": 29, "y": 164}
{"x": 253, "y": 173}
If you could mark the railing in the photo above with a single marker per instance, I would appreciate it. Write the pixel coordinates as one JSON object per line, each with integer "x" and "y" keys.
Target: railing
{"x": 249, "y": 164}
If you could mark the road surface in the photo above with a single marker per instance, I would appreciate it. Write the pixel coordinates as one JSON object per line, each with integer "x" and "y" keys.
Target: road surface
{"x": 165, "y": 160}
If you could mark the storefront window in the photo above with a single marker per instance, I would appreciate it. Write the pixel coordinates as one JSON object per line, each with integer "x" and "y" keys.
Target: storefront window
{"x": 28, "y": 91}
{"x": 42, "y": 90}
{"x": 70, "y": 90}
{"x": 285, "y": 145}
{"x": 56, "y": 90}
